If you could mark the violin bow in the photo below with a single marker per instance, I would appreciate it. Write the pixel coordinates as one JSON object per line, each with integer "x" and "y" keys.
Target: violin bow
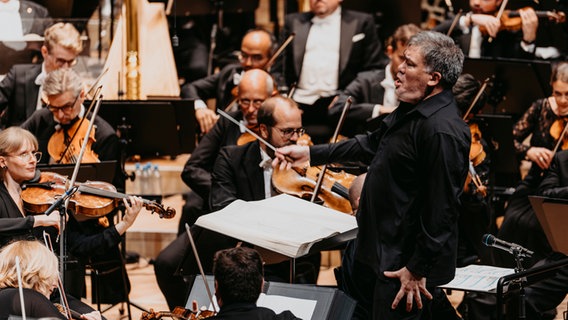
{"x": 346, "y": 107}
{"x": 233, "y": 120}
{"x": 560, "y": 138}
{"x": 62, "y": 295}
{"x": 200, "y": 266}
{"x": 454, "y": 22}
{"x": 499, "y": 15}
{"x": 476, "y": 98}
{"x": 278, "y": 51}
{"x": 20, "y": 288}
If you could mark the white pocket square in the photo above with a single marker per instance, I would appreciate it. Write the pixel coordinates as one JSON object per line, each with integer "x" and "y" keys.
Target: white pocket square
{"x": 358, "y": 37}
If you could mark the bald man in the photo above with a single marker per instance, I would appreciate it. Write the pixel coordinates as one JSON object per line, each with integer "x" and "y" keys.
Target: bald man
{"x": 255, "y": 86}
{"x": 256, "y": 49}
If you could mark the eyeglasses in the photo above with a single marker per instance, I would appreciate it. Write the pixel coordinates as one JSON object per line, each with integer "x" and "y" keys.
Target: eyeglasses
{"x": 246, "y": 102}
{"x": 287, "y": 133}
{"x": 65, "y": 108}
{"x": 253, "y": 57}
{"x": 27, "y": 156}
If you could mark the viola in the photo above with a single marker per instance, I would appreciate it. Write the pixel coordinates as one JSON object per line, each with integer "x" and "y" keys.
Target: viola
{"x": 94, "y": 199}
{"x": 64, "y": 147}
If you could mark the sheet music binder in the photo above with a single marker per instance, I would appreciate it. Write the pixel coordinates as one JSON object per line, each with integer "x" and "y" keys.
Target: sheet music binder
{"x": 331, "y": 302}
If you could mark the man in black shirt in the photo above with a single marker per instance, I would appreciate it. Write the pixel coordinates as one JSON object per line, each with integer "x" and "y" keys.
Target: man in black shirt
{"x": 409, "y": 205}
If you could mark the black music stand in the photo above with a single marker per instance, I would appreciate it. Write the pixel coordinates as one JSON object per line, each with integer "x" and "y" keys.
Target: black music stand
{"x": 551, "y": 214}
{"x": 217, "y": 8}
{"x": 153, "y": 127}
{"x": 516, "y": 83}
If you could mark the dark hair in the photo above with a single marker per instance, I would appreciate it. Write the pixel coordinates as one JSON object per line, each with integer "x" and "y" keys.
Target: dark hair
{"x": 465, "y": 90}
{"x": 265, "y": 113}
{"x": 239, "y": 274}
{"x": 402, "y": 34}
{"x": 440, "y": 54}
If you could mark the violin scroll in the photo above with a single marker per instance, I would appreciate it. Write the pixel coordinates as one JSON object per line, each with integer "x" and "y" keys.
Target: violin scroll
{"x": 163, "y": 212}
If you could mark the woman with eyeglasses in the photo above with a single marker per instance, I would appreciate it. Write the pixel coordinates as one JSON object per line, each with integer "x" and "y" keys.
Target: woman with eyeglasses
{"x": 18, "y": 159}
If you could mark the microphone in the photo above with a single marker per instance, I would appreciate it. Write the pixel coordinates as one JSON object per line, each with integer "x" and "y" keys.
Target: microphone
{"x": 513, "y": 248}
{"x": 59, "y": 201}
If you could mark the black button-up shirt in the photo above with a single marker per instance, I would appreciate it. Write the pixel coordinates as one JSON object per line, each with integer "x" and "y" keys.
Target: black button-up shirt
{"x": 408, "y": 210}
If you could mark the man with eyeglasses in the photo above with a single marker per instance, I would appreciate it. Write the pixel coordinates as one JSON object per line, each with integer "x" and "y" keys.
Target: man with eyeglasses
{"x": 257, "y": 48}
{"x": 255, "y": 86}
{"x": 64, "y": 95}
{"x": 240, "y": 172}
{"x": 20, "y": 89}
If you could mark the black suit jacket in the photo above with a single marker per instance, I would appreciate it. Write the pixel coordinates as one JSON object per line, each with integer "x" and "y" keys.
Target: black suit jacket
{"x": 237, "y": 175}
{"x": 354, "y": 57}
{"x": 238, "y": 311}
{"x": 197, "y": 170}
{"x": 19, "y": 94}
{"x": 218, "y": 85}
{"x": 366, "y": 91}
{"x": 555, "y": 183}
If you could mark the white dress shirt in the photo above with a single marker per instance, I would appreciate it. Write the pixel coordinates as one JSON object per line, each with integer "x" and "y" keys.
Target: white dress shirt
{"x": 320, "y": 69}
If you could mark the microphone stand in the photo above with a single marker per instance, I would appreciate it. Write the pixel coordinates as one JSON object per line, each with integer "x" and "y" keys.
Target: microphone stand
{"x": 71, "y": 188}
{"x": 519, "y": 254}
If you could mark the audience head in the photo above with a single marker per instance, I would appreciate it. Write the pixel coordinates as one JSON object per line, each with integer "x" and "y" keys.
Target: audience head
{"x": 38, "y": 267}
{"x": 465, "y": 90}
{"x": 397, "y": 43}
{"x": 18, "y": 154}
{"x": 255, "y": 86}
{"x": 61, "y": 46}
{"x": 257, "y": 48}
{"x": 559, "y": 83}
{"x": 280, "y": 121}
{"x": 323, "y": 8}
{"x": 238, "y": 275}
{"x": 432, "y": 63}
{"x": 63, "y": 92}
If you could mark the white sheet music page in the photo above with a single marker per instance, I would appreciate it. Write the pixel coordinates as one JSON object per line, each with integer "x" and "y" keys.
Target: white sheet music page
{"x": 283, "y": 224}
{"x": 477, "y": 278}
{"x": 301, "y": 308}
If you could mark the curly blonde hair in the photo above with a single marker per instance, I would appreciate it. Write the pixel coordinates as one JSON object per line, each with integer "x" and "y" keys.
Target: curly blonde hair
{"x": 38, "y": 265}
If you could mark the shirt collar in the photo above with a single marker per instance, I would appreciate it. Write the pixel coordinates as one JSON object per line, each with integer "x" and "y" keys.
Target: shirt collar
{"x": 266, "y": 161}
{"x": 433, "y": 104}
{"x": 334, "y": 17}
{"x": 10, "y": 6}
{"x": 41, "y": 77}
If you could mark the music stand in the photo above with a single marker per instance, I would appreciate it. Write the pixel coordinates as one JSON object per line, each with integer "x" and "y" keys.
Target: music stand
{"x": 551, "y": 214}
{"x": 331, "y": 303}
{"x": 154, "y": 127}
{"x": 516, "y": 83}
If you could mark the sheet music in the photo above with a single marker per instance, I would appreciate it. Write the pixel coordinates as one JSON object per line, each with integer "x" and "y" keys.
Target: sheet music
{"x": 301, "y": 308}
{"x": 477, "y": 278}
{"x": 283, "y": 224}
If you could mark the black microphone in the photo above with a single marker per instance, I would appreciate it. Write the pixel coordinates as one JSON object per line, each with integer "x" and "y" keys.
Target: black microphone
{"x": 513, "y": 248}
{"x": 59, "y": 201}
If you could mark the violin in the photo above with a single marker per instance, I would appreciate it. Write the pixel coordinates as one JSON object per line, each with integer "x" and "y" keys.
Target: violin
{"x": 301, "y": 183}
{"x": 64, "y": 148}
{"x": 511, "y": 19}
{"x": 93, "y": 199}
{"x": 178, "y": 313}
